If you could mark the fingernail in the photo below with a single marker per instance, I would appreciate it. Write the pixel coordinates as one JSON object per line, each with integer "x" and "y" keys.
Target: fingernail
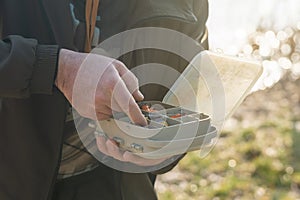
{"x": 141, "y": 96}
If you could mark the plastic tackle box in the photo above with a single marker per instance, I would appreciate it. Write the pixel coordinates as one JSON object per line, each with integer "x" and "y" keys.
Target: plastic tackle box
{"x": 185, "y": 120}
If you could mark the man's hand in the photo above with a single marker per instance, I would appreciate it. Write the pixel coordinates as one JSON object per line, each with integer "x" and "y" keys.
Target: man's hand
{"x": 96, "y": 85}
{"x": 110, "y": 148}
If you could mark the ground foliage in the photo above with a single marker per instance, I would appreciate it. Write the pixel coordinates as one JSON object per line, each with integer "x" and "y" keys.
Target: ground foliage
{"x": 258, "y": 153}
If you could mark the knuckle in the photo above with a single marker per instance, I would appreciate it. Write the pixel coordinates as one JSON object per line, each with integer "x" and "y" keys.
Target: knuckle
{"x": 134, "y": 78}
{"x": 101, "y": 99}
{"x": 111, "y": 82}
{"x": 132, "y": 104}
{"x": 118, "y": 64}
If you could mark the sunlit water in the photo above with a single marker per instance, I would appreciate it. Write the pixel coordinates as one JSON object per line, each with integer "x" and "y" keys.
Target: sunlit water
{"x": 233, "y": 28}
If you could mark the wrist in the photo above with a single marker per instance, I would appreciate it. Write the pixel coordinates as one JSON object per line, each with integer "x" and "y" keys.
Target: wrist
{"x": 68, "y": 66}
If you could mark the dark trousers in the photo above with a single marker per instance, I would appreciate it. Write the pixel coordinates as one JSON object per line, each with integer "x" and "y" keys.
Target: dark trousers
{"x": 104, "y": 183}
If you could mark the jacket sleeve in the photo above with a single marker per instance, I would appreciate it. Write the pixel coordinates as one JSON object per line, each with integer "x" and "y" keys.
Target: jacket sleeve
{"x": 26, "y": 67}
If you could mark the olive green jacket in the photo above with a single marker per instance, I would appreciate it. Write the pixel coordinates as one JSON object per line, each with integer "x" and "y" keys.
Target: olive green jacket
{"x": 33, "y": 110}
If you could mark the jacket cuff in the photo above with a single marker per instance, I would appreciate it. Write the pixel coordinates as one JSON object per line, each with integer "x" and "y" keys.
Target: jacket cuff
{"x": 45, "y": 68}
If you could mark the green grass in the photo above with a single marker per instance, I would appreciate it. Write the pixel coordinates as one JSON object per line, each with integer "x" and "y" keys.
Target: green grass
{"x": 258, "y": 161}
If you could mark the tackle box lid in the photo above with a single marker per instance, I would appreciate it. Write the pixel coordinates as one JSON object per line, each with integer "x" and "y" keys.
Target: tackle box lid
{"x": 214, "y": 84}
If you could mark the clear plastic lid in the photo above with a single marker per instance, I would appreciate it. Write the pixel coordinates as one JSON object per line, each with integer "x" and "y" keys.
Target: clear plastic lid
{"x": 214, "y": 84}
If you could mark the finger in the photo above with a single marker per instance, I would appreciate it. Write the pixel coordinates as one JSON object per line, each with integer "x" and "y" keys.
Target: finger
{"x": 101, "y": 144}
{"x": 130, "y": 81}
{"x": 138, "y": 95}
{"x": 130, "y": 157}
{"x": 127, "y": 103}
{"x": 106, "y": 105}
{"x": 132, "y": 84}
{"x": 114, "y": 151}
{"x": 115, "y": 106}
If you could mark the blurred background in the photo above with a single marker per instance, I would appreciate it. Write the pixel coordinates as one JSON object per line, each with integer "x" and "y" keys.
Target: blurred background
{"x": 258, "y": 153}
